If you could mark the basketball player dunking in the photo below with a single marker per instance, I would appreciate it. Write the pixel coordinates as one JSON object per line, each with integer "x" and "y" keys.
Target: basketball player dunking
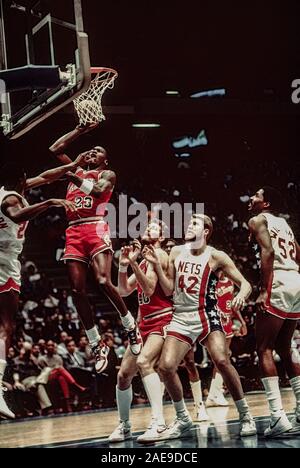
{"x": 278, "y": 304}
{"x": 14, "y": 216}
{"x": 225, "y": 295}
{"x": 88, "y": 243}
{"x": 192, "y": 277}
{"x": 155, "y": 313}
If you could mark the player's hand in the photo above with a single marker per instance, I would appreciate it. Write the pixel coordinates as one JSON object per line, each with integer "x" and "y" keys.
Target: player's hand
{"x": 81, "y": 128}
{"x": 238, "y": 303}
{"x": 136, "y": 248}
{"x": 150, "y": 255}
{"x": 82, "y": 159}
{"x": 261, "y": 301}
{"x": 19, "y": 386}
{"x": 67, "y": 205}
{"x": 124, "y": 256}
{"x": 243, "y": 329}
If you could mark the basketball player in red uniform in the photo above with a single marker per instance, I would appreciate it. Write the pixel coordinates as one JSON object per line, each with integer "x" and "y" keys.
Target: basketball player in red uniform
{"x": 225, "y": 295}
{"x": 155, "y": 313}
{"x": 278, "y": 304}
{"x": 88, "y": 242}
{"x": 200, "y": 414}
{"x": 192, "y": 278}
{"x": 14, "y": 216}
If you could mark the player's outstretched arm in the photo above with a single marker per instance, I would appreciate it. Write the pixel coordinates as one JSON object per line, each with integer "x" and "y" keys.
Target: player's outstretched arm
{"x": 13, "y": 209}
{"x": 166, "y": 278}
{"x": 125, "y": 285}
{"x": 105, "y": 184}
{"x": 228, "y": 267}
{"x": 59, "y": 147}
{"x": 54, "y": 174}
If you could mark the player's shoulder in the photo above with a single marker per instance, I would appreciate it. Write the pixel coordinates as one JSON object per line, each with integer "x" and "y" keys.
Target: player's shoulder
{"x": 107, "y": 174}
{"x": 257, "y": 221}
{"x": 177, "y": 250}
{"x": 217, "y": 254}
{"x": 11, "y": 199}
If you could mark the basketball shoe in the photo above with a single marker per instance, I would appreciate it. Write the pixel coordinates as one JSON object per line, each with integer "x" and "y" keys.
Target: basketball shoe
{"x": 153, "y": 433}
{"x": 135, "y": 340}
{"x": 121, "y": 433}
{"x": 100, "y": 353}
{"x": 4, "y": 410}
{"x": 278, "y": 425}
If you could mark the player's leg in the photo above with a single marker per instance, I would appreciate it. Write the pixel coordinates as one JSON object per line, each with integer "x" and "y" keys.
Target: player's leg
{"x": 172, "y": 354}
{"x": 101, "y": 264}
{"x": 8, "y": 310}
{"x": 268, "y": 328}
{"x": 216, "y": 395}
{"x": 283, "y": 348}
{"x": 216, "y": 346}
{"x": 124, "y": 397}
{"x": 147, "y": 364}
{"x": 77, "y": 275}
{"x": 200, "y": 413}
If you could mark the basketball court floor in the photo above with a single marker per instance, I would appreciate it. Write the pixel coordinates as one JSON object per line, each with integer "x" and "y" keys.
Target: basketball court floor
{"x": 90, "y": 430}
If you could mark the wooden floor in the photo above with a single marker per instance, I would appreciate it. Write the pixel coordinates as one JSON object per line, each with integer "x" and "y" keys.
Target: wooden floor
{"x": 85, "y": 426}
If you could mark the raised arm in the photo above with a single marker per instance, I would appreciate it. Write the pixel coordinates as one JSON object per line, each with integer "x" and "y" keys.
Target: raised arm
{"x": 166, "y": 278}
{"x": 54, "y": 174}
{"x": 126, "y": 285}
{"x": 105, "y": 184}
{"x": 59, "y": 147}
{"x": 148, "y": 280}
{"x": 224, "y": 262}
{"x": 13, "y": 209}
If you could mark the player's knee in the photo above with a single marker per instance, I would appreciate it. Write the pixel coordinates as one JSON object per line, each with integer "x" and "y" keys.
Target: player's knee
{"x": 124, "y": 379}
{"x": 222, "y": 363}
{"x": 166, "y": 368}
{"x": 190, "y": 365}
{"x": 143, "y": 363}
{"x": 104, "y": 280}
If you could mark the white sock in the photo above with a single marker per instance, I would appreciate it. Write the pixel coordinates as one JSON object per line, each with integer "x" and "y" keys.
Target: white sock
{"x": 124, "y": 400}
{"x": 242, "y": 406}
{"x": 153, "y": 389}
{"x": 197, "y": 392}
{"x": 93, "y": 336}
{"x": 2, "y": 370}
{"x": 216, "y": 386}
{"x": 162, "y": 389}
{"x": 295, "y": 384}
{"x": 180, "y": 408}
{"x": 128, "y": 321}
{"x": 272, "y": 390}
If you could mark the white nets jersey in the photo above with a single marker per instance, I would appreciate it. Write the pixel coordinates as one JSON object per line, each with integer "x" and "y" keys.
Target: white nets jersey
{"x": 12, "y": 238}
{"x": 195, "y": 302}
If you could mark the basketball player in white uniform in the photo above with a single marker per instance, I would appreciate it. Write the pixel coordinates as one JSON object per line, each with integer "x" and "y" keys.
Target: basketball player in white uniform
{"x": 14, "y": 216}
{"x": 278, "y": 304}
{"x": 192, "y": 277}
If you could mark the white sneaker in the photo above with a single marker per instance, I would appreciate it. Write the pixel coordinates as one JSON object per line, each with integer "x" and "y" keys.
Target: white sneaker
{"x": 135, "y": 340}
{"x": 278, "y": 426}
{"x": 216, "y": 400}
{"x": 100, "y": 353}
{"x": 247, "y": 425}
{"x": 179, "y": 428}
{"x": 295, "y": 422}
{"x": 4, "y": 410}
{"x": 200, "y": 413}
{"x": 153, "y": 433}
{"x": 121, "y": 433}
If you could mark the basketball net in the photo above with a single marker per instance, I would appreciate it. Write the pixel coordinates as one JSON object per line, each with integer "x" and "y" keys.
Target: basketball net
{"x": 89, "y": 104}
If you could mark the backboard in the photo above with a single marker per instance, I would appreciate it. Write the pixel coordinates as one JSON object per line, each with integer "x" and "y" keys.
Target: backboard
{"x": 40, "y": 38}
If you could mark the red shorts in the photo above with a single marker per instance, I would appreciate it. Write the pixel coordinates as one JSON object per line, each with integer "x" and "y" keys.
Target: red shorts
{"x": 154, "y": 326}
{"x": 227, "y": 325}
{"x": 85, "y": 241}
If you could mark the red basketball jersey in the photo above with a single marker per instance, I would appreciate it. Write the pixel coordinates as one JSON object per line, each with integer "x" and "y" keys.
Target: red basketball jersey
{"x": 225, "y": 294}
{"x": 157, "y": 304}
{"x": 88, "y": 207}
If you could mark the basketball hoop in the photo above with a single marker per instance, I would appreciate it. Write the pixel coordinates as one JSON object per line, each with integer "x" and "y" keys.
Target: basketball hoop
{"x": 89, "y": 104}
